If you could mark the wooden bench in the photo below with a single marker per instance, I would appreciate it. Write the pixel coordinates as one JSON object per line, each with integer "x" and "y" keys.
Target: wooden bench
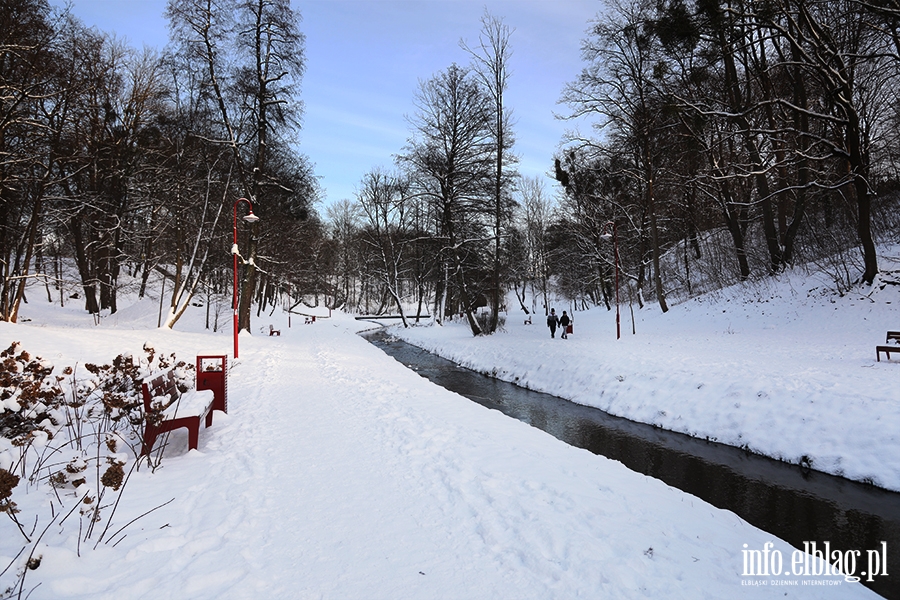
{"x": 273, "y": 331}
{"x": 895, "y": 348}
{"x": 167, "y": 408}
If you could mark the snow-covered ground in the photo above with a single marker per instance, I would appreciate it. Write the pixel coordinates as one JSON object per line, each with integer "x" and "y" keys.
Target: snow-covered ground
{"x": 338, "y": 473}
{"x": 783, "y": 368}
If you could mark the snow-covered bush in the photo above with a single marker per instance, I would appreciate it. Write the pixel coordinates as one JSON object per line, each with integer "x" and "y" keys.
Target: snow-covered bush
{"x": 68, "y": 442}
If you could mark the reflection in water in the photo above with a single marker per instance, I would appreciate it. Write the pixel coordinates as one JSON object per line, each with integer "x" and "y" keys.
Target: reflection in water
{"x": 795, "y": 504}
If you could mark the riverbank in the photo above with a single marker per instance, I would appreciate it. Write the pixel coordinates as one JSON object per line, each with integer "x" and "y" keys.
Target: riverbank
{"x": 782, "y": 368}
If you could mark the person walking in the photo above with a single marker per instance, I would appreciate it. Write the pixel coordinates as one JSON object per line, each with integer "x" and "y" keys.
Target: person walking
{"x": 552, "y": 322}
{"x": 564, "y": 322}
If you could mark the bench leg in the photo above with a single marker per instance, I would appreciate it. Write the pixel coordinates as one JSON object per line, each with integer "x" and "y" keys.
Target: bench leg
{"x": 209, "y": 417}
{"x": 194, "y": 434}
{"x": 149, "y": 440}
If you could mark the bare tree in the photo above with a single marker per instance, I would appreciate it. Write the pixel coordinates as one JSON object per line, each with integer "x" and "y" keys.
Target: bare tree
{"x": 491, "y": 58}
{"x": 252, "y": 53}
{"x": 29, "y": 83}
{"x": 536, "y": 215}
{"x": 619, "y": 88}
{"x": 112, "y": 98}
{"x": 384, "y": 200}
{"x": 836, "y": 49}
{"x": 449, "y": 159}
{"x": 344, "y": 220}
{"x": 203, "y": 240}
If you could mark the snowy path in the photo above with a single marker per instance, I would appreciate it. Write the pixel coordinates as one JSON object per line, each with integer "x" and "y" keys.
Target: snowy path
{"x": 338, "y": 473}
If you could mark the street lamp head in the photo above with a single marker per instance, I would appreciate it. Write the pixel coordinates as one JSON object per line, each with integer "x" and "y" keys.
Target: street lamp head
{"x": 251, "y": 218}
{"x": 609, "y": 229}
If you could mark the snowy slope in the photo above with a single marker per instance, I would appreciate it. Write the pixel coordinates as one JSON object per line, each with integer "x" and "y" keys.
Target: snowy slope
{"x": 783, "y": 368}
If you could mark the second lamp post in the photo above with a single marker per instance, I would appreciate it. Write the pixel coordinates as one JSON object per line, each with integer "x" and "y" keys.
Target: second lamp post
{"x": 614, "y": 235}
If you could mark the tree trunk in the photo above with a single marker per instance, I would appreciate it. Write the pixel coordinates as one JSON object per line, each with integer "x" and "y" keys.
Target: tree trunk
{"x": 84, "y": 269}
{"x": 464, "y": 299}
{"x": 654, "y": 234}
{"x": 26, "y": 262}
{"x": 802, "y": 124}
{"x": 762, "y": 182}
{"x": 249, "y": 282}
{"x": 863, "y": 198}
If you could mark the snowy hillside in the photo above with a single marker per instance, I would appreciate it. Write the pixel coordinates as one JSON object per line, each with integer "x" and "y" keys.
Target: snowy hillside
{"x": 784, "y": 367}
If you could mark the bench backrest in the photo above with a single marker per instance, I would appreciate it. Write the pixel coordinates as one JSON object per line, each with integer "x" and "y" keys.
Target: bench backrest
{"x": 892, "y": 335}
{"x": 161, "y": 384}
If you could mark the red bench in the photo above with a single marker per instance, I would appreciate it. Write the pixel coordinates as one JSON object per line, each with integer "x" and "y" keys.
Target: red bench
{"x": 167, "y": 408}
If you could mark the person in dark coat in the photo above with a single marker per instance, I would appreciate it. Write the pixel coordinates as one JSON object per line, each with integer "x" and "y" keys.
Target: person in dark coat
{"x": 564, "y": 322}
{"x": 552, "y": 322}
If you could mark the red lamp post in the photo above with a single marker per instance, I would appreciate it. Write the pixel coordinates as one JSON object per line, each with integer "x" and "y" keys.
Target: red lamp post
{"x": 250, "y": 218}
{"x": 615, "y": 239}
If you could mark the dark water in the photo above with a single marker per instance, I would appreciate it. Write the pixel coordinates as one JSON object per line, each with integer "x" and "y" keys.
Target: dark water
{"x": 798, "y": 505}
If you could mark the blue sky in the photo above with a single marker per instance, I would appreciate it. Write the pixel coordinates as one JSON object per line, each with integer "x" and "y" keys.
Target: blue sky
{"x": 365, "y": 59}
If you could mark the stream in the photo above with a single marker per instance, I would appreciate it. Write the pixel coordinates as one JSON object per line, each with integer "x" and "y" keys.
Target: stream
{"x": 796, "y": 504}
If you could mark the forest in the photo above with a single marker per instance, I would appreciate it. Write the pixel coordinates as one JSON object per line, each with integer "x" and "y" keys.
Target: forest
{"x": 728, "y": 141}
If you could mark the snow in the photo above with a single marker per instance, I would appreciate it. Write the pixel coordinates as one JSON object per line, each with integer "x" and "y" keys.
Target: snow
{"x": 790, "y": 374}
{"x": 338, "y": 473}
